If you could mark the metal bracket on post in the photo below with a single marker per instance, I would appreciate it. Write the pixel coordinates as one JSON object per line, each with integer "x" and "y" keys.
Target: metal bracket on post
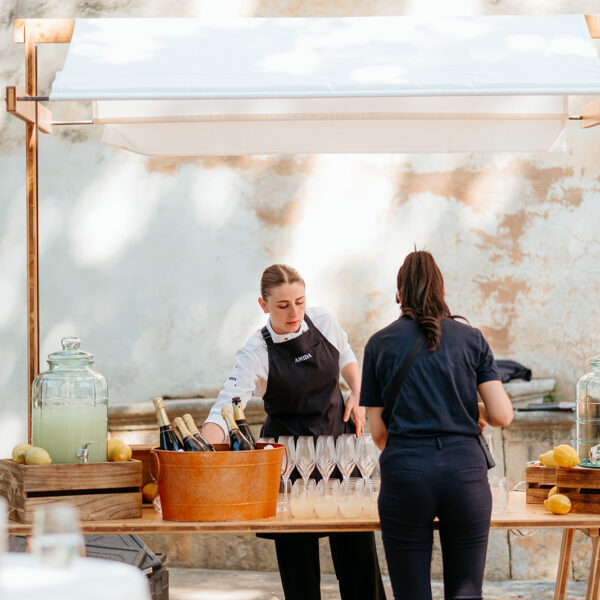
{"x": 30, "y": 112}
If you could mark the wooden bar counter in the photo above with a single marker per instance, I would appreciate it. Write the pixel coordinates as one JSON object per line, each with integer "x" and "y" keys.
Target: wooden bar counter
{"x": 518, "y": 515}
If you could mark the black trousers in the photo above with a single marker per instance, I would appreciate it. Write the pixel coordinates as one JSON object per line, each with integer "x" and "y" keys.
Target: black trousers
{"x": 444, "y": 477}
{"x": 354, "y": 559}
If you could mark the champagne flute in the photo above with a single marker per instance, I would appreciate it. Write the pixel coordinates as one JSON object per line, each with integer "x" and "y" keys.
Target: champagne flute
{"x": 287, "y": 466}
{"x": 305, "y": 456}
{"x": 366, "y": 455}
{"x": 325, "y": 455}
{"x": 345, "y": 450}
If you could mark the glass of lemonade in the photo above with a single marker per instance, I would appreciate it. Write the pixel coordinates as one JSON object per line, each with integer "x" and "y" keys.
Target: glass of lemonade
{"x": 302, "y": 502}
{"x": 351, "y": 501}
{"x": 372, "y": 487}
{"x": 327, "y": 500}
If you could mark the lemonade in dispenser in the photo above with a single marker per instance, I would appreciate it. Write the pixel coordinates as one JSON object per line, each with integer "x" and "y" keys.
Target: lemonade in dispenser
{"x": 70, "y": 407}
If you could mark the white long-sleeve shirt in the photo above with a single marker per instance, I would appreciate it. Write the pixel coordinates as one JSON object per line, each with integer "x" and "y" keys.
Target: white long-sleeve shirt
{"x": 251, "y": 369}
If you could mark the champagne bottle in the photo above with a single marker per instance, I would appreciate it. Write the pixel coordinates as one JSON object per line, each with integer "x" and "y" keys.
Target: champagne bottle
{"x": 190, "y": 443}
{"x": 236, "y": 440}
{"x": 191, "y": 425}
{"x": 240, "y": 421}
{"x": 168, "y": 439}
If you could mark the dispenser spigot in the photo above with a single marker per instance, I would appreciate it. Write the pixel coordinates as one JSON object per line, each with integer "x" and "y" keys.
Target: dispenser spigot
{"x": 83, "y": 452}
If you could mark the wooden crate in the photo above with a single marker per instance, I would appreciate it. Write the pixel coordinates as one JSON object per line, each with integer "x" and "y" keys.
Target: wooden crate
{"x": 108, "y": 490}
{"x": 582, "y": 486}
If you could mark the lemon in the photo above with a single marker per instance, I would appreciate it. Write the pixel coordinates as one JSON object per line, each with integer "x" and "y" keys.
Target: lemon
{"x": 553, "y": 490}
{"x": 111, "y": 444}
{"x": 150, "y": 490}
{"x": 37, "y": 456}
{"x": 565, "y": 456}
{"x": 559, "y": 504}
{"x": 18, "y": 453}
{"x": 547, "y": 459}
{"x": 120, "y": 453}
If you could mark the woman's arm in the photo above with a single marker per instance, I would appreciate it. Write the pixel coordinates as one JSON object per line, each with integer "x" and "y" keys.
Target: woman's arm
{"x": 213, "y": 433}
{"x": 351, "y": 376}
{"x": 496, "y": 408}
{"x": 377, "y": 426}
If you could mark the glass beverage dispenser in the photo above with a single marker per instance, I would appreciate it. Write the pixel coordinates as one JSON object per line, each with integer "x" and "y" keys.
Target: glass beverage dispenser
{"x": 70, "y": 407}
{"x": 588, "y": 413}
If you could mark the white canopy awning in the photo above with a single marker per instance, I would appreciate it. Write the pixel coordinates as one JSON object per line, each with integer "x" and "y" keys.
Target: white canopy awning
{"x": 184, "y": 87}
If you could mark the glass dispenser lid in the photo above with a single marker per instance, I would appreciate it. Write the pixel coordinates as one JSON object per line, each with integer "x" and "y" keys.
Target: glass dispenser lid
{"x": 70, "y": 353}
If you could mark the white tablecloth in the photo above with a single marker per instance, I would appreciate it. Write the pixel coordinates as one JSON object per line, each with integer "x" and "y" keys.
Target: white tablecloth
{"x": 23, "y": 577}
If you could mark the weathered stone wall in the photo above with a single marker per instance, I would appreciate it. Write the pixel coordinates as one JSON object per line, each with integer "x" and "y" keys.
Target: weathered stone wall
{"x": 155, "y": 262}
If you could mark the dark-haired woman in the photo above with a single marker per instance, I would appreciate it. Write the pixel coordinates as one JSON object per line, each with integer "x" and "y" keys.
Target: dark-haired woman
{"x": 432, "y": 464}
{"x": 294, "y": 362}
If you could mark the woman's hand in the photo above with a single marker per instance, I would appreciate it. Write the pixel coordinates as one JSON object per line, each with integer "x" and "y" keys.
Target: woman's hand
{"x": 481, "y": 421}
{"x": 358, "y": 412}
{"x": 351, "y": 376}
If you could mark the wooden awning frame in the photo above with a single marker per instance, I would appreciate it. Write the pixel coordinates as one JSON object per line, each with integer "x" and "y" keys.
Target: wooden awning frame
{"x": 26, "y": 105}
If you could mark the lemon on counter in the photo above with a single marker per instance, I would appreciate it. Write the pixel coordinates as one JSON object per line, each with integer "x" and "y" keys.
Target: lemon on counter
{"x": 150, "y": 491}
{"x": 553, "y": 490}
{"x": 559, "y": 504}
{"x": 18, "y": 453}
{"x": 547, "y": 459}
{"x": 565, "y": 456}
{"x": 117, "y": 450}
{"x": 111, "y": 443}
{"x": 37, "y": 456}
{"x": 120, "y": 453}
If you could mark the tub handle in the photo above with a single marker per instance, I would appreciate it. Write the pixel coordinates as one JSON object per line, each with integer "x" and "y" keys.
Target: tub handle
{"x": 286, "y": 459}
{"x": 155, "y": 459}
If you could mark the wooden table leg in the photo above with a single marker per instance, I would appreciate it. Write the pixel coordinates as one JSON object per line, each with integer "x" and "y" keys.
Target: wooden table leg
{"x": 564, "y": 564}
{"x": 594, "y": 579}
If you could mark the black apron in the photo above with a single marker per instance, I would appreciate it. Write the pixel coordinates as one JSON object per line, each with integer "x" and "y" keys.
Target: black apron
{"x": 303, "y": 395}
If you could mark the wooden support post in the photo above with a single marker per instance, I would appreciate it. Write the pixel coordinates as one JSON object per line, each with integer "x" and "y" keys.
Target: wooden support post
{"x": 564, "y": 564}
{"x": 593, "y": 589}
{"x": 43, "y": 31}
{"x": 31, "y": 167}
{"x": 593, "y": 23}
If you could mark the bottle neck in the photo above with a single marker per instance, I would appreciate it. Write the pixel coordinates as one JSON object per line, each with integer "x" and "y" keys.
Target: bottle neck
{"x": 190, "y": 424}
{"x": 231, "y": 424}
{"x": 181, "y": 427}
{"x": 161, "y": 416}
{"x": 238, "y": 412}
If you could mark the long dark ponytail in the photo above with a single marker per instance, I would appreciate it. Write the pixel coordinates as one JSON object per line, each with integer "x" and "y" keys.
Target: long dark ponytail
{"x": 421, "y": 295}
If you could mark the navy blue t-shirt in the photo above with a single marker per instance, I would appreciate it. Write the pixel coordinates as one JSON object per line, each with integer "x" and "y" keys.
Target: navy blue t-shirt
{"x": 439, "y": 393}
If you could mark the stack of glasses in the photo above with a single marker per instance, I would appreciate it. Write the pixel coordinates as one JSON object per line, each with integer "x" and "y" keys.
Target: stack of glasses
{"x": 351, "y": 496}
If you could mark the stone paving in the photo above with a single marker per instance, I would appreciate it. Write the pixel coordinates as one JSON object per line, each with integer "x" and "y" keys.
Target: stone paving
{"x": 205, "y": 584}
